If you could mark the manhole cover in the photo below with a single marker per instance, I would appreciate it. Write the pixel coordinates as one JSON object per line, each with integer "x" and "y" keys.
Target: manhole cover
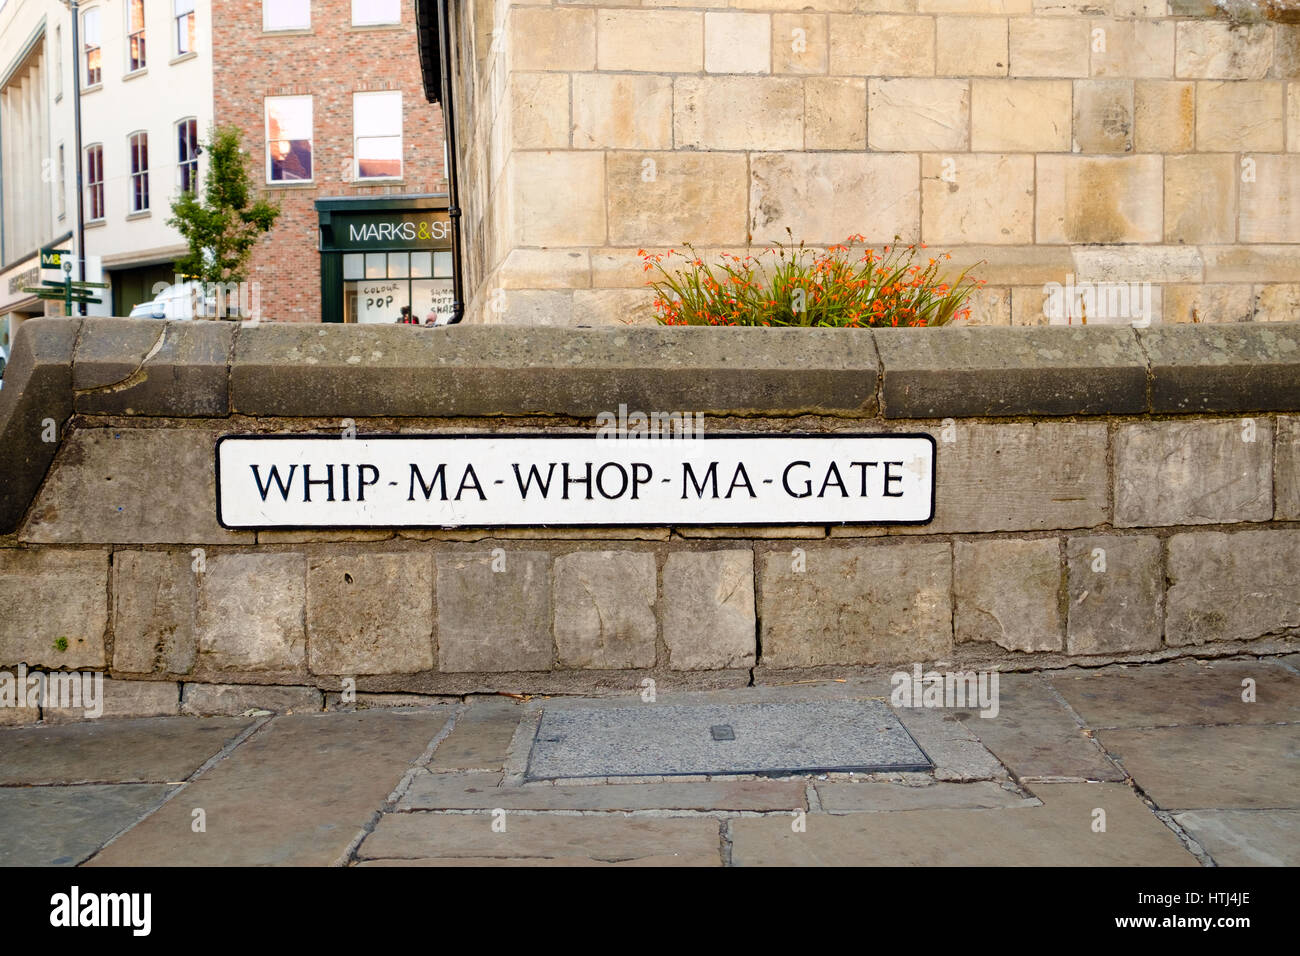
{"x": 761, "y": 738}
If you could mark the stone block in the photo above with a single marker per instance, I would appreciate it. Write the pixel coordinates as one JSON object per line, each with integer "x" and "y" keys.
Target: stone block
{"x": 1143, "y": 264}
{"x": 1049, "y": 47}
{"x": 835, "y": 112}
{"x": 557, "y": 199}
{"x": 539, "y": 110}
{"x": 1193, "y": 472}
{"x": 1226, "y": 368}
{"x": 1208, "y": 303}
{"x": 975, "y": 6}
{"x": 1239, "y": 116}
{"x": 1031, "y": 116}
{"x": 918, "y": 114}
{"x": 970, "y": 46}
{"x": 622, "y": 111}
{"x": 1270, "y": 206}
{"x": 370, "y": 613}
{"x": 738, "y": 113}
{"x": 709, "y": 609}
{"x": 250, "y": 614}
{"x": 1257, "y": 263}
{"x": 799, "y": 43}
{"x": 979, "y": 198}
{"x": 546, "y": 268}
{"x": 1201, "y": 198}
{"x": 1103, "y": 116}
{"x": 605, "y": 609}
{"x": 490, "y": 620}
{"x": 882, "y": 45}
{"x": 1164, "y": 116}
{"x": 1216, "y": 50}
{"x": 1009, "y": 593}
{"x": 561, "y": 39}
{"x": 1278, "y": 302}
{"x": 696, "y": 194}
{"x": 650, "y": 41}
{"x": 155, "y": 598}
{"x": 1133, "y": 48}
{"x": 1286, "y": 469}
{"x": 592, "y": 307}
{"x": 231, "y": 700}
{"x": 56, "y": 608}
{"x": 1085, "y": 199}
{"x": 826, "y": 197}
{"x": 1232, "y": 587}
{"x": 1116, "y": 594}
{"x": 737, "y": 43}
{"x": 124, "y": 698}
{"x": 879, "y": 603}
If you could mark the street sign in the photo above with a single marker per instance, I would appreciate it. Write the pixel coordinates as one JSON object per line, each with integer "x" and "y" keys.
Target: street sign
{"x": 52, "y": 258}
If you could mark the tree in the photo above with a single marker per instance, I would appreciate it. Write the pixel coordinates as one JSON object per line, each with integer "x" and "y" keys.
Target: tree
{"x": 222, "y": 228}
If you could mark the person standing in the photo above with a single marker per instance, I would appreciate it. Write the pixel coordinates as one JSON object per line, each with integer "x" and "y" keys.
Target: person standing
{"x": 406, "y": 318}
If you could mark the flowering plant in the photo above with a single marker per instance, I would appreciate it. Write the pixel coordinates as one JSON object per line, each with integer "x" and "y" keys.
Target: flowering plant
{"x": 798, "y": 286}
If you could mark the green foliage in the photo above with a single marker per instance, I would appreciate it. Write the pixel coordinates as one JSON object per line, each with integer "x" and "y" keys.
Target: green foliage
{"x": 61, "y": 644}
{"x": 224, "y": 225}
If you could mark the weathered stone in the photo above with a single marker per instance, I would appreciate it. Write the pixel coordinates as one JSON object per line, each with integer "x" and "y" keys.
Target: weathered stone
{"x": 1257, "y": 263}
{"x": 1185, "y": 768}
{"x": 1208, "y": 303}
{"x": 491, "y": 620}
{"x": 482, "y": 735}
{"x": 1240, "y": 116}
{"x": 1245, "y": 837}
{"x": 1020, "y": 115}
{"x": 708, "y": 616}
{"x": 1277, "y": 302}
{"x": 990, "y": 200}
{"x": 835, "y": 112}
{"x": 1103, "y": 116}
{"x": 172, "y": 369}
{"x": 605, "y": 609}
{"x": 650, "y": 41}
{"x": 622, "y": 111}
{"x": 1164, "y": 116}
{"x": 546, "y": 269}
{"x": 1225, "y": 368}
{"x": 1133, "y": 48}
{"x": 990, "y": 305}
{"x": 592, "y": 307}
{"x": 559, "y": 38}
{"x": 737, "y": 43}
{"x": 702, "y": 194}
{"x": 1214, "y": 50}
{"x": 1042, "y": 46}
{"x": 146, "y": 750}
{"x": 121, "y": 698}
{"x": 1232, "y": 587}
{"x": 250, "y": 614}
{"x": 918, "y": 114}
{"x": 327, "y": 772}
{"x": 62, "y": 826}
{"x": 541, "y": 214}
{"x": 34, "y": 404}
{"x": 1270, "y": 206}
{"x": 1200, "y": 198}
{"x": 963, "y": 373}
{"x": 1088, "y": 199}
{"x": 1116, "y": 592}
{"x": 104, "y": 487}
{"x": 532, "y": 307}
{"x": 737, "y": 112}
{"x": 865, "y": 797}
{"x": 872, "y": 604}
{"x": 1286, "y": 469}
{"x": 1021, "y": 265}
{"x": 812, "y": 58}
{"x": 539, "y": 111}
{"x": 370, "y": 613}
{"x": 1125, "y": 264}
{"x": 970, "y": 46}
{"x": 826, "y": 197}
{"x": 155, "y": 595}
{"x": 1009, "y": 593}
{"x": 882, "y": 46}
{"x": 56, "y": 608}
{"x": 232, "y": 700}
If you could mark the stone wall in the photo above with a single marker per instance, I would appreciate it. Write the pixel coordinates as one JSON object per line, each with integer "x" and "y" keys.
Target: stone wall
{"x": 1108, "y": 140}
{"x": 1103, "y": 494}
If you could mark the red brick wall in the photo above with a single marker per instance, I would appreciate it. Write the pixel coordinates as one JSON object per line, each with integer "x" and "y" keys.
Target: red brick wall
{"x": 331, "y": 62}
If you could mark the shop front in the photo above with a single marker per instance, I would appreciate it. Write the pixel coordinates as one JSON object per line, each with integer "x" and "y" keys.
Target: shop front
{"x": 382, "y": 255}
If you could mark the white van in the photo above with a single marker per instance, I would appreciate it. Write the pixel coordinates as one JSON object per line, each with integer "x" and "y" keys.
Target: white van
{"x": 178, "y": 302}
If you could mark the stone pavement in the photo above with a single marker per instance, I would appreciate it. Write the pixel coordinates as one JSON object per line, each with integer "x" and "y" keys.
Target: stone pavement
{"x": 1151, "y": 764}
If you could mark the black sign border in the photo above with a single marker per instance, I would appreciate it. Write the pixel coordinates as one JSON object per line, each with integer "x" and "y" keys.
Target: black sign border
{"x": 281, "y": 436}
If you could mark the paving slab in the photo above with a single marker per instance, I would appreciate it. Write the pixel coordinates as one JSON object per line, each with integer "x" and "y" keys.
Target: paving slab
{"x": 773, "y": 738}
{"x": 481, "y": 737}
{"x": 957, "y": 754}
{"x": 61, "y": 826}
{"x": 481, "y": 791}
{"x": 432, "y": 835}
{"x": 296, "y": 793}
{"x": 143, "y": 750}
{"x": 1035, "y": 736}
{"x": 1193, "y": 768}
{"x": 1181, "y": 692}
{"x": 686, "y": 859}
{"x": 1246, "y": 837}
{"x": 1055, "y": 834}
{"x": 873, "y": 796}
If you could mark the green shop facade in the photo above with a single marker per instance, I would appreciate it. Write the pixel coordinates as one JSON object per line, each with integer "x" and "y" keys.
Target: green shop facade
{"x": 380, "y": 254}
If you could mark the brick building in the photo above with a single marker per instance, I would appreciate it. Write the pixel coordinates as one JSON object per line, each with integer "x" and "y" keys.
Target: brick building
{"x": 328, "y": 96}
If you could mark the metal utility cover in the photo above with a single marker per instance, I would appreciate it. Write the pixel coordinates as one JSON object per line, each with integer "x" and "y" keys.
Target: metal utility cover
{"x": 769, "y": 738}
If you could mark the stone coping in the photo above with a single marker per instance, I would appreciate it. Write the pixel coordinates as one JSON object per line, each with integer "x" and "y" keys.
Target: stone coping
{"x": 211, "y": 369}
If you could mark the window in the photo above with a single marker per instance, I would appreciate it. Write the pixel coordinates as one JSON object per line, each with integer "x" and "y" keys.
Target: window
{"x": 58, "y": 62}
{"x": 187, "y": 154}
{"x": 95, "y": 180}
{"x": 63, "y": 184}
{"x": 288, "y": 139}
{"x": 368, "y": 12}
{"x": 183, "y": 13}
{"x": 139, "y": 146}
{"x": 135, "y": 35}
{"x": 286, "y": 14}
{"x": 377, "y": 129}
{"x": 90, "y": 43}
